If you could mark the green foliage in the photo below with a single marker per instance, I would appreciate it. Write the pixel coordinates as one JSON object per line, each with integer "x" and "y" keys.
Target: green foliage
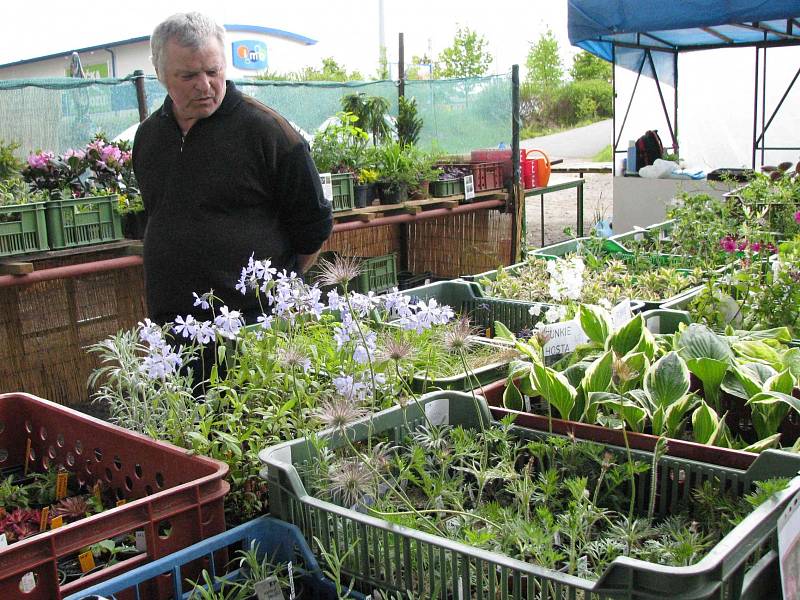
{"x": 582, "y": 100}
{"x": 409, "y": 123}
{"x": 605, "y": 155}
{"x": 586, "y": 66}
{"x": 421, "y": 67}
{"x": 329, "y": 71}
{"x": 383, "y": 65}
{"x": 371, "y": 112}
{"x": 10, "y": 166}
{"x": 341, "y": 146}
{"x": 545, "y": 71}
{"x": 466, "y": 57}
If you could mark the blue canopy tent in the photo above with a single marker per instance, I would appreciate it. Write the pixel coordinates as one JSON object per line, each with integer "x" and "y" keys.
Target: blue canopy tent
{"x": 646, "y": 37}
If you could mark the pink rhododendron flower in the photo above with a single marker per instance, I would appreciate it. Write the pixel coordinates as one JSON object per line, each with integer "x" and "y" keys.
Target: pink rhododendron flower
{"x": 79, "y": 154}
{"x": 40, "y": 160}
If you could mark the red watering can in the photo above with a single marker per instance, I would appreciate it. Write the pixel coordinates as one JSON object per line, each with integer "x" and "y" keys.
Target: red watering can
{"x": 535, "y": 171}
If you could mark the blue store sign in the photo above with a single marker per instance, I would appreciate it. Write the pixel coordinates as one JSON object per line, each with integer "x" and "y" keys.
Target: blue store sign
{"x": 250, "y": 54}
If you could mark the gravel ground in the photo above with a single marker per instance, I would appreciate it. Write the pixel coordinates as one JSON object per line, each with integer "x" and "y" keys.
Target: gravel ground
{"x": 560, "y": 208}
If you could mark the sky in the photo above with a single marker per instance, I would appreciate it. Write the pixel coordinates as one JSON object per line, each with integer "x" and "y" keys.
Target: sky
{"x": 345, "y": 30}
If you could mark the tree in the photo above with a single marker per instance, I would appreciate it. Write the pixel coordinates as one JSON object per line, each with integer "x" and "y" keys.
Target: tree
{"x": 330, "y": 71}
{"x": 419, "y": 67}
{"x": 586, "y": 66}
{"x": 466, "y": 57}
{"x": 545, "y": 71}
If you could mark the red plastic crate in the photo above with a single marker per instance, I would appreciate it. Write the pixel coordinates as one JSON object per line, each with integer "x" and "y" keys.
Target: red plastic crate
{"x": 487, "y": 175}
{"x": 165, "y": 488}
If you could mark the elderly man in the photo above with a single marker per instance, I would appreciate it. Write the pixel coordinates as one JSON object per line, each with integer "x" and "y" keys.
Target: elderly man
{"x": 222, "y": 176}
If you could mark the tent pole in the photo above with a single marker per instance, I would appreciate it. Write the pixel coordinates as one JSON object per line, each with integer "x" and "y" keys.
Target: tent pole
{"x": 649, "y": 56}
{"x": 778, "y": 107}
{"x": 630, "y": 102}
{"x": 675, "y": 109}
{"x": 614, "y": 108}
{"x": 764, "y": 104}
{"x": 755, "y": 113}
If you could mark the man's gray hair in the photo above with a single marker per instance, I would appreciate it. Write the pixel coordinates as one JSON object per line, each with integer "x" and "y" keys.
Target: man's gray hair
{"x": 191, "y": 30}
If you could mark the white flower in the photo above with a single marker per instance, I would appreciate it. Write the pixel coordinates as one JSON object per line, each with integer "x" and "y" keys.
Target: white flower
{"x": 265, "y": 321}
{"x": 241, "y": 285}
{"x": 228, "y": 322}
{"x": 160, "y": 362}
{"x": 201, "y": 301}
{"x": 555, "y": 314}
{"x": 186, "y": 327}
{"x": 535, "y": 310}
{"x": 150, "y": 333}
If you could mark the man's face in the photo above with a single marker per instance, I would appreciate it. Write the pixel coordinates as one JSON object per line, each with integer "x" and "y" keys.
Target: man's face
{"x": 195, "y": 80}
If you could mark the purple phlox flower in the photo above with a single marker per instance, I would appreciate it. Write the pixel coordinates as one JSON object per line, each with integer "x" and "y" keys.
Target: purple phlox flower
{"x": 772, "y": 248}
{"x": 347, "y": 387}
{"x": 228, "y": 322}
{"x": 161, "y": 361}
{"x": 397, "y": 304}
{"x": 334, "y": 300}
{"x": 755, "y": 247}
{"x": 362, "y": 304}
{"x": 202, "y": 301}
{"x": 241, "y": 285}
{"x": 150, "y": 333}
{"x": 265, "y": 320}
{"x": 204, "y": 333}
{"x": 186, "y": 327}
{"x": 728, "y": 244}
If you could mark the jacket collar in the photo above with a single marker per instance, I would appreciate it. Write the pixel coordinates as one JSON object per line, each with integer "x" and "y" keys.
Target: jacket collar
{"x": 231, "y": 100}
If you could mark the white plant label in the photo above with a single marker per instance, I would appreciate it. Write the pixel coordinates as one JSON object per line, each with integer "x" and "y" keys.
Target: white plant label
{"x": 291, "y": 580}
{"x": 368, "y": 597}
{"x": 141, "y": 541}
{"x": 527, "y": 402}
{"x": 327, "y": 186}
{"x": 28, "y": 583}
{"x": 789, "y": 548}
{"x": 621, "y": 314}
{"x": 469, "y": 187}
{"x": 563, "y": 337}
{"x": 3, "y": 540}
{"x": 269, "y": 589}
{"x": 460, "y": 589}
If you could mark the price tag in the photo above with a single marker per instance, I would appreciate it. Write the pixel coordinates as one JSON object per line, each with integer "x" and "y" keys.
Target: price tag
{"x": 527, "y": 402}
{"x": 61, "y": 485}
{"x": 291, "y": 580}
{"x": 28, "y": 583}
{"x": 43, "y": 518}
{"x": 563, "y": 337}
{"x": 469, "y": 187}
{"x": 86, "y": 560}
{"x": 27, "y": 454}
{"x": 121, "y": 501}
{"x": 56, "y": 522}
{"x": 789, "y": 548}
{"x": 97, "y": 493}
{"x": 621, "y": 313}
{"x": 327, "y": 186}
{"x": 3, "y": 540}
{"x": 460, "y": 589}
{"x": 141, "y": 541}
{"x": 269, "y": 589}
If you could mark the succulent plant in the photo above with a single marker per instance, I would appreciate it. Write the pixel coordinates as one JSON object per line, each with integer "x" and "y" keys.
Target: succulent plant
{"x": 20, "y": 523}
{"x": 74, "y": 507}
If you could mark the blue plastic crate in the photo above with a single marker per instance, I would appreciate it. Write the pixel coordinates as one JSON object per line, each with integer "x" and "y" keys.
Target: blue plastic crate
{"x": 279, "y": 541}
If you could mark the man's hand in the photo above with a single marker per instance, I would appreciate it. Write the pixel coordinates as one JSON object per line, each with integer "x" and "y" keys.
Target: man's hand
{"x": 304, "y": 261}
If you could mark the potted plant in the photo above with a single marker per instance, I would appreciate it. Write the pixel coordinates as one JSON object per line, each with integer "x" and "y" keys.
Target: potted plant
{"x": 397, "y": 172}
{"x": 365, "y": 187}
{"x": 425, "y": 168}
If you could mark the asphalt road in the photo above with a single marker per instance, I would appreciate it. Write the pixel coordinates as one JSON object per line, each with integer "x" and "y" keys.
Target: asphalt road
{"x": 583, "y": 142}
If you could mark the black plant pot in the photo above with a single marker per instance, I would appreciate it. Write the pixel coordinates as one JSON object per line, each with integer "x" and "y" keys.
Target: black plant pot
{"x": 395, "y": 194}
{"x": 362, "y": 195}
{"x": 133, "y": 225}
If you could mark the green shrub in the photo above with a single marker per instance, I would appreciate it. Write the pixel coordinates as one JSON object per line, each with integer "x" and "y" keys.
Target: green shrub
{"x": 583, "y": 100}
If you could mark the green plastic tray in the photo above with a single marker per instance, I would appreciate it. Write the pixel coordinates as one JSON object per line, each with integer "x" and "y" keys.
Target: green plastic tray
{"x": 396, "y": 558}
{"x": 463, "y": 383}
{"x": 448, "y": 187}
{"x": 23, "y": 229}
{"x": 82, "y": 221}
{"x": 467, "y": 298}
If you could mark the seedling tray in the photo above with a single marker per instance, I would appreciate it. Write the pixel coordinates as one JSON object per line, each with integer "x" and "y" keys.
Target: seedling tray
{"x": 419, "y": 563}
{"x": 343, "y": 192}
{"x": 278, "y": 541}
{"x": 175, "y": 497}
{"x": 23, "y": 229}
{"x": 82, "y": 222}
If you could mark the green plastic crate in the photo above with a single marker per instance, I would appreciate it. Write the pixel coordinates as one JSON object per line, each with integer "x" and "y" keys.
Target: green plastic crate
{"x": 467, "y": 298}
{"x": 661, "y": 230}
{"x": 82, "y": 221}
{"x": 23, "y": 229}
{"x": 391, "y": 557}
{"x": 463, "y": 382}
{"x": 343, "y": 194}
{"x": 378, "y": 274}
{"x": 447, "y": 187}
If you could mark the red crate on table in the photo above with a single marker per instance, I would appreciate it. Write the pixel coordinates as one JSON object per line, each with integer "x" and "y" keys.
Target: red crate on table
{"x": 175, "y": 497}
{"x": 487, "y": 175}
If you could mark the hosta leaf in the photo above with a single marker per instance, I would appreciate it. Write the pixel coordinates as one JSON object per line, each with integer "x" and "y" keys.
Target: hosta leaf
{"x": 791, "y": 361}
{"x": 647, "y": 344}
{"x": 770, "y": 409}
{"x": 626, "y": 337}
{"x": 504, "y": 333}
{"x": 676, "y": 413}
{"x": 782, "y": 382}
{"x": 512, "y": 398}
{"x": 595, "y": 322}
{"x": 597, "y": 377}
{"x": 575, "y": 373}
{"x": 775, "y": 397}
{"x": 731, "y": 385}
{"x": 698, "y": 341}
{"x": 767, "y": 442}
{"x": 705, "y": 423}
{"x": 630, "y": 412}
{"x": 555, "y": 389}
{"x": 711, "y": 372}
{"x": 753, "y": 376}
{"x": 636, "y": 364}
{"x": 757, "y": 351}
{"x": 779, "y": 334}
{"x": 667, "y": 380}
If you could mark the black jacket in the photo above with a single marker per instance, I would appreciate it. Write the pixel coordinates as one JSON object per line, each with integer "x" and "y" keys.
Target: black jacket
{"x": 241, "y": 182}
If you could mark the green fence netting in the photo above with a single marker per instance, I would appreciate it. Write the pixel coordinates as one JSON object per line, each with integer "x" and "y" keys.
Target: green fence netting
{"x": 60, "y": 113}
